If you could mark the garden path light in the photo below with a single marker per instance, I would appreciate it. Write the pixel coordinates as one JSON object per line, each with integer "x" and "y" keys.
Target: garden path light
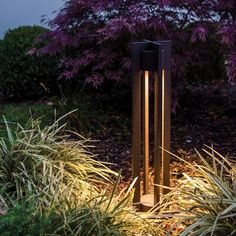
{"x": 151, "y": 57}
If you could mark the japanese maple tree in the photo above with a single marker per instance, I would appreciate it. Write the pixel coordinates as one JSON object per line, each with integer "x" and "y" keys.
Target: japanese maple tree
{"x": 95, "y": 37}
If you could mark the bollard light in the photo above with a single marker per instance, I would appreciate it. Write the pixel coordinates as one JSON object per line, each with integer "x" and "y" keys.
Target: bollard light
{"x": 151, "y": 57}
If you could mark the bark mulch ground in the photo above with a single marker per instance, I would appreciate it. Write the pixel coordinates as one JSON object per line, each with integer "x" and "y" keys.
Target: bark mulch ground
{"x": 206, "y": 116}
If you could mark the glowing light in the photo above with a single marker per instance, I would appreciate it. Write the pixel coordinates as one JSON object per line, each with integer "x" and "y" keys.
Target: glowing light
{"x": 163, "y": 107}
{"x": 146, "y": 131}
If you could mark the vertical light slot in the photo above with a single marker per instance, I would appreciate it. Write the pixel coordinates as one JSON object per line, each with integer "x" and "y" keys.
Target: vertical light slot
{"x": 163, "y": 129}
{"x": 163, "y": 110}
{"x": 146, "y": 132}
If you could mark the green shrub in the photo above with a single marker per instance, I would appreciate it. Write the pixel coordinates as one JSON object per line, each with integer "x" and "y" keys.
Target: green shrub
{"x": 24, "y": 219}
{"x": 89, "y": 115}
{"x": 23, "y": 75}
{"x": 204, "y": 202}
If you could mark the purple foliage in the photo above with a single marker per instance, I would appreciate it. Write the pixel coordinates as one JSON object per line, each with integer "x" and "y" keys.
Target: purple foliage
{"x": 94, "y": 37}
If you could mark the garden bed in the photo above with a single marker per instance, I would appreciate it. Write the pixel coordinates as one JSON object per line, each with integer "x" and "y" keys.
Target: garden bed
{"x": 207, "y": 115}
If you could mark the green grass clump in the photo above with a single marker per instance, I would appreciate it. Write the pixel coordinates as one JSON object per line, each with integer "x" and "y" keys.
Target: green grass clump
{"x": 44, "y": 161}
{"x": 51, "y": 184}
{"x": 204, "y": 202}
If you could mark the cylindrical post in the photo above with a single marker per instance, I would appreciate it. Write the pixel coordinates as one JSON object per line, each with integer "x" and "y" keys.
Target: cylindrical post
{"x": 146, "y": 132}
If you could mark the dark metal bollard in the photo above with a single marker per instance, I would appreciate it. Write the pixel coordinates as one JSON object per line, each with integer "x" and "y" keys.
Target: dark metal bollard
{"x": 155, "y": 57}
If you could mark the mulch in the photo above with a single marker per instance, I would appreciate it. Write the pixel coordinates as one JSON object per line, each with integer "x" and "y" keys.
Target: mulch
{"x": 206, "y": 116}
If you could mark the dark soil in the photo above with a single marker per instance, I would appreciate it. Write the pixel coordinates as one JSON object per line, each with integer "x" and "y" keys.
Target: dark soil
{"x": 206, "y": 116}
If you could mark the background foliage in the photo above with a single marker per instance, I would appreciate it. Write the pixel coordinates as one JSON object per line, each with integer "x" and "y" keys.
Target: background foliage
{"x": 90, "y": 31}
{"x": 22, "y": 75}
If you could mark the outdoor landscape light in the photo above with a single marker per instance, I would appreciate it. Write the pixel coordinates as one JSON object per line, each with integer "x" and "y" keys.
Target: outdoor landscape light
{"x": 151, "y": 58}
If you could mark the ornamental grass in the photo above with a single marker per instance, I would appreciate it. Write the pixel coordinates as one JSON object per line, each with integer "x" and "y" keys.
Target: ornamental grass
{"x": 204, "y": 201}
{"x": 51, "y": 184}
{"x": 46, "y": 162}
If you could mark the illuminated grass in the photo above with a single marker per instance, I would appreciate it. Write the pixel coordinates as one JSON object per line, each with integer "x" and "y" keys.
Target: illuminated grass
{"x": 204, "y": 203}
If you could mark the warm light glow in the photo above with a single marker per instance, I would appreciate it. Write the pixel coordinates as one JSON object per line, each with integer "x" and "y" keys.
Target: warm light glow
{"x": 146, "y": 131}
{"x": 163, "y": 108}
